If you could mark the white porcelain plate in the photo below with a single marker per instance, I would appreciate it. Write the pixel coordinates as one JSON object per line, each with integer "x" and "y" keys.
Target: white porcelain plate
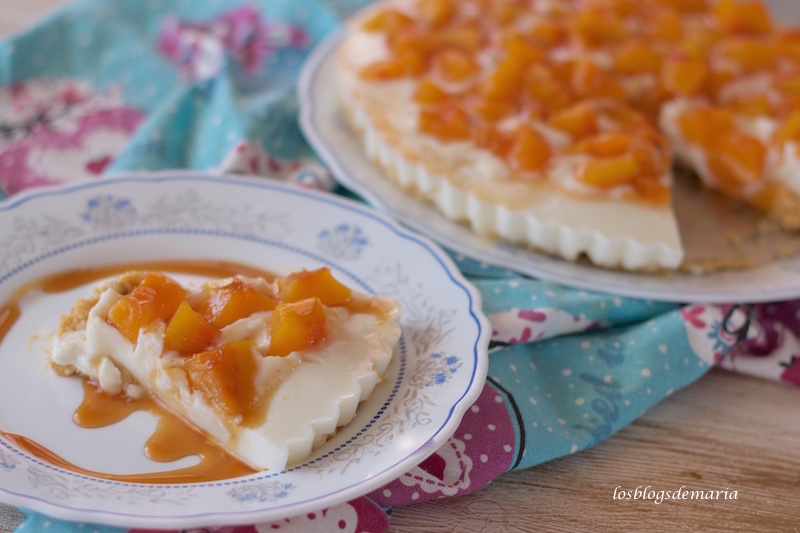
{"x": 325, "y": 127}
{"x": 438, "y": 371}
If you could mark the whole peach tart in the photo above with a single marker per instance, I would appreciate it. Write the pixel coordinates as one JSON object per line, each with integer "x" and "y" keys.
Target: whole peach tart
{"x": 555, "y": 123}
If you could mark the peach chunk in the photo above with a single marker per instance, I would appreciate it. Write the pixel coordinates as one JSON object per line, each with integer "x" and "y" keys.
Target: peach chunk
{"x": 651, "y": 191}
{"x": 608, "y": 144}
{"x": 188, "y": 332}
{"x": 579, "y": 120}
{"x": 684, "y": 76}
{"x": 591, "y": 81}
{"x": 666, "y": 25}
{"x": 447, "y": 122}
{"x": 225, "y": 377}
{"x": 297, "y": 326}
{"x": 635, "y": 57}
{"x": 748, "y": 54}
{"x": 749, "y": 16}
{"x": 387, "y": 20}
{"x": 609, "y": 171}
{"x": 227, "y": 304}
{"x": 702, "y": 125}
{"x": 400, "y": 66}
{"x": 436, "y": 12}
{"x": 492, "y": 139}
{"x": 789, "y": 130}
{"x": 688, "y": 6}
{"x": 530, "y": 151}
{"x": 318, "y": 283}
{"x": 428, "y": 93}
{"x": 736, "y": 159}
{"x": 157, "y": 297}
{"x": 453, "y": 64}
{"x": 597, "y": 26}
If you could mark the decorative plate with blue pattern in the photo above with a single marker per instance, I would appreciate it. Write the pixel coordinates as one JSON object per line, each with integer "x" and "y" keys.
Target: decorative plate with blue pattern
{"x": 438, "y": 371}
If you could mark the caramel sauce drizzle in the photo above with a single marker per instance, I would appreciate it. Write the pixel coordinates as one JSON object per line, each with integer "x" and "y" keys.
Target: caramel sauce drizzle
{"x": 173, "y": 438}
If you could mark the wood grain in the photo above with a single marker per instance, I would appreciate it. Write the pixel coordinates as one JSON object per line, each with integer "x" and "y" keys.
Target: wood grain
{"x": 724, "y": 431}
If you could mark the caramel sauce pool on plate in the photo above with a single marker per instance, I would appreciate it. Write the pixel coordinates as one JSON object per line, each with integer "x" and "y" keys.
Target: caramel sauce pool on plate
{"x": 173, "y": 438}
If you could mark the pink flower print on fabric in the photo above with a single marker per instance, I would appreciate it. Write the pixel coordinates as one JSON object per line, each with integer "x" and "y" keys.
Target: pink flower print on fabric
{"x": 53, "y": 132}
{"x": 530, "y": 325}
{"x": 481, "y": 449}
{"x": 250, "y": 159}
{"x": 198, "y": 49}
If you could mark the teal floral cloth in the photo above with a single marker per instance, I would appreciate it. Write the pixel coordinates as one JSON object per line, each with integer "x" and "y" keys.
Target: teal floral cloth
{"x": 144, "y": 85}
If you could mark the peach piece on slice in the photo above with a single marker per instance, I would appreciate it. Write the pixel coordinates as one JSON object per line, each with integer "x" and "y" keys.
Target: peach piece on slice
{"x": 530, "y": 151}
{"x": 225, "y": 376}
{"x": 188, "y": 332}
{"x": 157, "y": 297}
{"x": 701, "y": 125}
{"x": 609, "y": 171}
{"x": 227, "y": 304}
{"x": 318, "y": 283}
{"x": 737, "y": 159}
{"x": 296, "y": 326}
{"x": 579, "y": 120}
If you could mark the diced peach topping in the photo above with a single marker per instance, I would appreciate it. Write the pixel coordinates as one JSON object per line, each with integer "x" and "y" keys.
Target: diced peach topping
{"x": 748, "y": 16}
{"x": 530, "y": 151}
{"x": 188, "y": 332}
{"x": 687, "y": 6}
{"x": 492, "y": 110}
{"x": 492, "y": 139}
{"x": 297, "y": 326}
{"x": 522, "y": 51}
{"x": 547, "y": 33}
{"x": 428, "y": 93}
{"x": 684, "y": 76}
{"x": 651, "y": 191}
{"x": 665, "y": 26}
{"x": 542, "y": 85}
{"x": 318, "y": 283}
{"x": 454, "y": 64}
{"x": 609, "y": 171}
{"x": 634, "y": 57}
{"x": 436, "y": 13}
{"x": 747, "y": 53}
{"x": 227, "y": 304}
{"x": 579, "y": 120}
{"x": 225, "y": 376}
{"x": 447, "y": 123}
{"x": 608, "y": 144}
{"x": 400, "y": 66}
{"x": 505, "y": 82}
{"x": 789, "y": 130}
{"x": 598, "y": 26}
{"x": 591, "y": 81}
{"x": 736, "y": 159}
{"x": 702, "y": 125}
{"x": 157, "y": 297}
{"x": 468, "y": 36}
{"x": 387, "y": 21}
{"x": 753, "y": 105}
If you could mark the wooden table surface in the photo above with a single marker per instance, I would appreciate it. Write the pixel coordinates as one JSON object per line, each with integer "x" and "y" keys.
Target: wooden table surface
{"x": 725, "y": 431}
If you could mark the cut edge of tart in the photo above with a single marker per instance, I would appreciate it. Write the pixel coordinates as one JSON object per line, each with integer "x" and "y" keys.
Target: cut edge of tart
{"x": 268, "y": 370}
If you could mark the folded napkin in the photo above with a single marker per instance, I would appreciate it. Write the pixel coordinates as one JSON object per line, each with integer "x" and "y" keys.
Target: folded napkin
{"x": 130, "y": 85}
